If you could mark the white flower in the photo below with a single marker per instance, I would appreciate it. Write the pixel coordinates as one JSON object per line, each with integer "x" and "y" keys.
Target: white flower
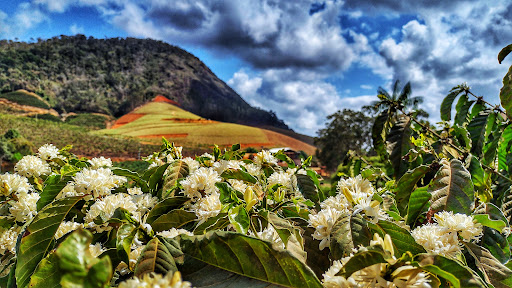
{"x": 338, "y": 203}
{"x": 100, "y": 162}
{"x": 282, "y": 178}
{"x": 331, "y": 280}
{"x": 410, "y": 277}
{"x": 134, "y": 255}
{"x": 437, "y": 240}
{"x": 207, "y": 207}
{"x": 356, "y": 185}
{"x": 223, "y": 165}
{"x": 174, "y": 232}
{"x": 68, "y": 191}
{"x": 193, "y": 165}
{"x": 323, "y": 223}
{"x": 252, "y": 169}
{"x": 96, "y": 250}
{"x": 152, "y": 280}
{"x": 8, "y": 240}
{"x": 32, "y": 166}
{"x": 48, "y": 152}
{"x": 238, "y": 185}
{"x": 98, "y": 182}
{"x": 201, "y": 182}
{"x": 14, "y": 183}
{"x": 465, "y": 225}
{"x": 134, "y": 191}
{"x": 265, "y": 157}
{"x": 144, "y": 202}
{"x": 270, "y": 234}
{"x": 107, "y": 206}
{"x": 25, "y": 208}
{"x": 65, "y": 227}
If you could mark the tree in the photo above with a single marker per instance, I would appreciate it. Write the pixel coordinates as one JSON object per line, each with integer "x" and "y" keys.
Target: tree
{"x": 345, "y": 130}
{"x": 400, "y": 99}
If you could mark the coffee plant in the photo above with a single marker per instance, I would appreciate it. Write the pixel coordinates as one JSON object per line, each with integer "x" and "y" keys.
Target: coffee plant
{"x": 438, "y": 216}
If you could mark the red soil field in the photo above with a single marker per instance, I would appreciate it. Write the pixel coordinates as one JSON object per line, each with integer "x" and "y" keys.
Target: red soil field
{"x": 160, "y": 98}
{"x": 125, "y": 119}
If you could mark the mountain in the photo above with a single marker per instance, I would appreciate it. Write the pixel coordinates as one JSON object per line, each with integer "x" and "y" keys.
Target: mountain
{"x": 113, "y": 76}
{"x": 162, "y": 118}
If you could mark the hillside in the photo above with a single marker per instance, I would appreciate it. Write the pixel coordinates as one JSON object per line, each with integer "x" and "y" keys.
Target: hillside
{"x": 158, "y": 119}
{"x": 113, "y": 76}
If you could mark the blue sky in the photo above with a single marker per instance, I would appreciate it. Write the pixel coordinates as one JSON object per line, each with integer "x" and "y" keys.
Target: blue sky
{"x": 301, "y": 59}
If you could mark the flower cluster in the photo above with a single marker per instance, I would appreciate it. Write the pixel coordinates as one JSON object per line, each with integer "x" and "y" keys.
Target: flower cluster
{"x": 442, "y": 238}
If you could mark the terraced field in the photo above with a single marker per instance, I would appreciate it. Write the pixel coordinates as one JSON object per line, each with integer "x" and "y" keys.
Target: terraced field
{"x": 159, "y": 119}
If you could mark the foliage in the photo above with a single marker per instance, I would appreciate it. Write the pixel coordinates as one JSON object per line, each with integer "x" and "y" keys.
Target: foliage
{"x": 90, "y": 120}
{"x": 23, "y": 97}
{"x": 346, "y": 130}
{"x": 222, "y": 220}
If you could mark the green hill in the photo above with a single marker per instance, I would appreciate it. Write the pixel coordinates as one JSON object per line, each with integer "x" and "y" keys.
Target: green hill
{"x": 114, "y": 76}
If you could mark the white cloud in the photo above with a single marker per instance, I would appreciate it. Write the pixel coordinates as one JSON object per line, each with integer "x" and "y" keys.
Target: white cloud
{"x": 366, "y": 87}
{"x": 27, "y": 16}
{"x": 4, "y": 27}
{"x": 55, "y": 5}
{"x": 75, "y": 29}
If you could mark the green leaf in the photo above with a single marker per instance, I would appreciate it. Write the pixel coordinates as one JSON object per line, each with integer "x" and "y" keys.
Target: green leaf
{"x": 362, "y": 260}
{"x": 504, "y": 52}
{"x": 462, "y": 136}
{"x": 405, "y": 186}
{"x": 398, "y": 144}
{"x": 452, "y": 271}
{"x": 72, "y": 265}
{"x": 239, "y": 219}
{"x": 283, "y": 157}
{"x": 506, "y": 93}
{"x": 492, "y": 269}
{"x": 176, "y": 170}
{"x": 318, "y": 260}
{"x": 497, "y": 244}
{"x": 452, "y": 189}
{"x": 165, "y": 206}
{"x": 208, "y": 276}
{"x": 476, "y": 128}
{"x": 227, "y": 194}
{"x": 52, "y": 187}
{"x": 446, "y": 105}
{"x": 214, "y": 223}
{"x": 249, "y": 257}
{"x": 462, "y": 109}
{"x": 402, "y": 239}
{"x": 155, "y": 257}
{"x": 132, "y": 175}
{"x": 156, "y": 180}
{"x": 174, "y": 219}
{"x": 306, "y": 186}
{"x": 491, "y": 216}
{"x": 503, "y": 148}
{"x": 418, "y": 203}
{"x": 379, "y": 131}
{"x": 40, "y": 237}
{"x": 238, "y": 174}
{"x": 348, "y": 232}
{"x": 477, "y": 173}
{"x": 125, "y": 235}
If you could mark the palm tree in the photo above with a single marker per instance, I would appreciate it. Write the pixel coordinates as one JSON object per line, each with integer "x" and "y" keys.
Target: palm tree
{"x": 399, "y": 100}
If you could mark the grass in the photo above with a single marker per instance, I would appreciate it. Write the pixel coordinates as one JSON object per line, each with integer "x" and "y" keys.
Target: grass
{"x": 23, "y": 97}
{"x": 39, "y": 132}
{"x": 93, "y": 121}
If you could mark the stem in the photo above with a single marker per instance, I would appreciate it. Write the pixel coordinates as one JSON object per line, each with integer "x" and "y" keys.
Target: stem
{"x": 495, "y": 107}
{"x": 453, "y": 145}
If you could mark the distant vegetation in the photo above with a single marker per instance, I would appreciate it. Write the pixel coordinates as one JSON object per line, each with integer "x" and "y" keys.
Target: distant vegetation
{"x": 113, "y": 76}
{"x": 25, "y": 98}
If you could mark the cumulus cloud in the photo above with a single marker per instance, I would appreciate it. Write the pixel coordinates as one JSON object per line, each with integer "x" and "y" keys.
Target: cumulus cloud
{"x": 4, "y": 27}
{"x": 75, "y": 29}
{"x": 302, "y": 100}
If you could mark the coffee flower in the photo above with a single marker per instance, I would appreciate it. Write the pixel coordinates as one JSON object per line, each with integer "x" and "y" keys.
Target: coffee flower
{"x": 32, "y": 166}
{"x": 98, "y": 182}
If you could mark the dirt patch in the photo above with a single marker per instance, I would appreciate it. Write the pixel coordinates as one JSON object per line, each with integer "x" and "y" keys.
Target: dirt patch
{"x": 196, "y": 121}
{"x": 159, "y": 136}
{"x": 125, "y": 119}
{"x": 161, "y": 98}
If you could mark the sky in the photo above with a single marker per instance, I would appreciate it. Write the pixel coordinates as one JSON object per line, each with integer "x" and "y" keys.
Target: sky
{"x": 302, "y": 59}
